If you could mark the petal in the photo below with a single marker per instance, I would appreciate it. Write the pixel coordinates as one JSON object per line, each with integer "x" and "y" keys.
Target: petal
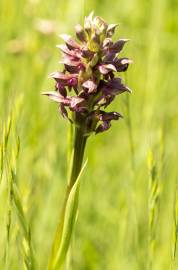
{"x": 113, "y": 87}
{"x": 80, "y": 33}
{"x": 72, "y": 69}
{"x": 86, "y": 53}
{"x": 106, "y": 68}
{"x": 65, "y": 50}
{"x": 63, "y": 111}
{"x": 88, "y": 23}
{"x": 70, "y": 62}
{"x": 103, "y": 127}
{"x": 109, "y": 57}
{"x": 111, "y": 29}
{"x": 90, "y": 85}
{"x": 116, "y": 84}
{"x": 118, "y": 46}
{"x": 62, "y": 76}
{"x": 61, "y": 89}
{"x": 108, "y": 116}
{"x": 57, "y": 97}
{"x": 77, "y": 104}
{"x": 100, "y": 24}
{"x": 71, "y": 44}
{"x": 75, "y": 101}
{"x": 107, "y": 42}
{"x": 122, "y": 64}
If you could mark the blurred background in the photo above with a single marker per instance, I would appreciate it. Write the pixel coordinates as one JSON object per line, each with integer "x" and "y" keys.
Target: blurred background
{"x": 127, "y": 216}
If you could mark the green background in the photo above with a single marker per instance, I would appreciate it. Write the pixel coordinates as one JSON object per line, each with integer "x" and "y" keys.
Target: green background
{"x": 112, "y": 230}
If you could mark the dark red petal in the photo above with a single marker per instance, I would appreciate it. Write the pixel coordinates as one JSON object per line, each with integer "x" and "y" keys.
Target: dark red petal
{"x": 61, "y": 89}
{"x": 86, "y": 53}
{"x": 63, "y": 111}
{"x": 122, "y": 64}
{"x": 108, "y": 116}
{"x": 103, "y": 127}
{"x": 72, "y": 69}
{"x": 118, "y": 46}
{"x": 113, "y": 87}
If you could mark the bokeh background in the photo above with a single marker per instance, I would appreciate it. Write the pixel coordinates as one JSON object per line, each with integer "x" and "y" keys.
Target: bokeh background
{"x": 126, "y": 214}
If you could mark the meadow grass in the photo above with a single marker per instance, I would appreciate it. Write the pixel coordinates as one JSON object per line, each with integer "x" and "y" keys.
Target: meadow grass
{"x": 121, "y": 222}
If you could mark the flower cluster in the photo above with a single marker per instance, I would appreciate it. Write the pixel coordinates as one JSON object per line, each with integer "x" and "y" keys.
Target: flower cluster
{"x": 89, "y": 81}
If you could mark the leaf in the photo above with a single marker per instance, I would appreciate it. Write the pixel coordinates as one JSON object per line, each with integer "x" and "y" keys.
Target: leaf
{"x": 65, "y": 230}
{"x": 6, "y": 132}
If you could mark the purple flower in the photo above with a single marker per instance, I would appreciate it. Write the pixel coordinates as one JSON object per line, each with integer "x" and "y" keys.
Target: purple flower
{"x": 90, "y": 72}
{"x": 105, "y": 118}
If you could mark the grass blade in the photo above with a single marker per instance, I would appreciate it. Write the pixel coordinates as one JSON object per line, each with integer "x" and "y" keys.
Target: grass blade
{"x": 68, "y": 224}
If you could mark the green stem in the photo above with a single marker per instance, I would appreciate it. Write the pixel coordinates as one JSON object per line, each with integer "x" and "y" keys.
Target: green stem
{"x": 76, "y": 165}
{"x": 79, "y": 148}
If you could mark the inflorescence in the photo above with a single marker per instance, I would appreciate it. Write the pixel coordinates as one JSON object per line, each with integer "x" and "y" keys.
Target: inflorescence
{"x": 89, "y": 81}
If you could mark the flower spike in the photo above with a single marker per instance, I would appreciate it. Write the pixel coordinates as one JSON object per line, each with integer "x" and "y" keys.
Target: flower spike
{"x": 91, "y": 67}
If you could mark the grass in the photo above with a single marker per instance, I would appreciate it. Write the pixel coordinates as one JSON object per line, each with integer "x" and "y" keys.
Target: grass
{"x": 113, "y": 228}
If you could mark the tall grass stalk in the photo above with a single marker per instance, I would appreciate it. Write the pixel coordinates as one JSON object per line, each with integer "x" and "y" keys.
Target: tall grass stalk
{"x": 130, "y": 131}
{"x": 132, "y": 187}
{"x": 153, "y": 199}
{"x": 6, "y": 134}
{"x": 14, "y": 201}
{"x": 175, "y": 230}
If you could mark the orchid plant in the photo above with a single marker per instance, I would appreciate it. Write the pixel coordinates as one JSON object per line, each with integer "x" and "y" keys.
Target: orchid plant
{"x": 84, "y": 89}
